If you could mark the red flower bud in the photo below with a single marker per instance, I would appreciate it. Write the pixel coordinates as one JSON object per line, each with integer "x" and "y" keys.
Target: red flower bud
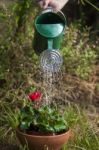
{"x": 34, "y": 95}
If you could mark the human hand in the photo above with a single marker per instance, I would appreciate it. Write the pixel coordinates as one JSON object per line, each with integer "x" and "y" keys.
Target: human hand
{"x": 55, "y": 4}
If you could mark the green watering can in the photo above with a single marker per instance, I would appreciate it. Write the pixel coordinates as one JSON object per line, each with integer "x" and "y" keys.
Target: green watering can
{"x": 49, "y": 27}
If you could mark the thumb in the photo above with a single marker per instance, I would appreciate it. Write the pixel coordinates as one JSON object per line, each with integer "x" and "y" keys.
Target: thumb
{"x": 46, "y": 3}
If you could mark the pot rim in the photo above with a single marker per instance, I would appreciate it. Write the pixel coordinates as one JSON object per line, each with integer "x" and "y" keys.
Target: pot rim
{"x": 44, "y": 136}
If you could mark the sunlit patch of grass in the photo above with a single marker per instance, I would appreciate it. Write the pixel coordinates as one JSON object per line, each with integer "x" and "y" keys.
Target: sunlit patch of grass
{"x": 84, "y": 136}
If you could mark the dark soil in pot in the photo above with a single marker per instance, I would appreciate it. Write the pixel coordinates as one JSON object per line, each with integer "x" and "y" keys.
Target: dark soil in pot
{"x": 33, "y": 130}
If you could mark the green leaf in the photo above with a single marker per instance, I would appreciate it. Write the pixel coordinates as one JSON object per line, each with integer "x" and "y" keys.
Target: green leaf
{"x": 25, "y": 125}
{"x": 59, "y": 127}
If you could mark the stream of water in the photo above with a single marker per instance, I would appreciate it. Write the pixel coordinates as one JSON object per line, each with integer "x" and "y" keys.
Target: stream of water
{"x": 52, "y": 85}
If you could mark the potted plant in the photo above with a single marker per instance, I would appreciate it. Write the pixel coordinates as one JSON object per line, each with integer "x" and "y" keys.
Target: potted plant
{"x": 41, "y": 126}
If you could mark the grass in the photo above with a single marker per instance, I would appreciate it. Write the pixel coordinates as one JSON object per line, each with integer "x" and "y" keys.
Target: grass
{"x": 17, "y": 73}
{"x": 84, "y": 135}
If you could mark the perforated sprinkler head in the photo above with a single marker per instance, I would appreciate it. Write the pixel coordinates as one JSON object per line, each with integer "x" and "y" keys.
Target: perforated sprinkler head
{"x": 51, "y": 61}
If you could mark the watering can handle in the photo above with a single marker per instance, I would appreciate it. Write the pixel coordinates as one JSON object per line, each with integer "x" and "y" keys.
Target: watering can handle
{"x": 61, "y": 14}
{"x": 50, "y": 9}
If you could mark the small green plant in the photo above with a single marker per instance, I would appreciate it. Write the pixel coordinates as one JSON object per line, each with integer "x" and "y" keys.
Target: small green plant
{"x": 44, "y": 119}
{"x": 41, "y": 118}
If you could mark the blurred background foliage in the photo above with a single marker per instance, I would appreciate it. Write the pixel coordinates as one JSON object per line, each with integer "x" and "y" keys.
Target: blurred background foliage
{"x": 18, "y": 61}
{"x": 19, "y": 65}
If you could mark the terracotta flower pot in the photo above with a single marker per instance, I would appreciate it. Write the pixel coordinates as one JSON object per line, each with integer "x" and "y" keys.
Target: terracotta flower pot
{"x": 45, "y": 142}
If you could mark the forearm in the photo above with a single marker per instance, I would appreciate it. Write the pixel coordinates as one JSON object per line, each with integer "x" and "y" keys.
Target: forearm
{"x": 63, "y": 2}
{"x": 60, "y": 3}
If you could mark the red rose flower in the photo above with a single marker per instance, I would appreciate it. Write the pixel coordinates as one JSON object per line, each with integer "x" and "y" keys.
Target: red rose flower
{"x": 34, "y": 95}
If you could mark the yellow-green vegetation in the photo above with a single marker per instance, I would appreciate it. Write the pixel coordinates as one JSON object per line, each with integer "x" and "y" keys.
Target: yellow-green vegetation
{"x": 19, "y": 73}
